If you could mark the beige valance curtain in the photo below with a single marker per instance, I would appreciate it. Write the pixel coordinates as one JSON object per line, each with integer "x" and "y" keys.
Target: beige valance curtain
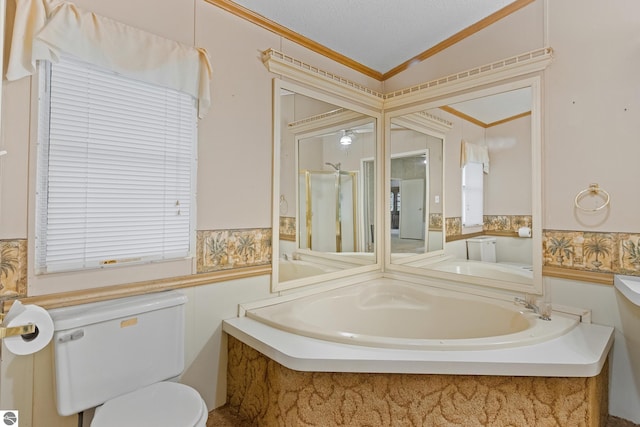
{"x": 44, "y": 28}
{"x": 474, "y": 153}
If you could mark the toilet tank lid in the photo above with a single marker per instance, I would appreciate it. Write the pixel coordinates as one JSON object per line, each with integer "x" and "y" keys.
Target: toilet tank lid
{"x": 482, "y": 239}
{"x": 86, "y": 314}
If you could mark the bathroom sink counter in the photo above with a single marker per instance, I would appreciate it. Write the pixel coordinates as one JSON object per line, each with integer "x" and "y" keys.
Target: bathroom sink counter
{"x": 629, "y": 286}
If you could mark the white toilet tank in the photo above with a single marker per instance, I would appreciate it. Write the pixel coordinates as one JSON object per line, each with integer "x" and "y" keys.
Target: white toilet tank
{"x": 482, "y": 248}
{"x": 105, "y": 349}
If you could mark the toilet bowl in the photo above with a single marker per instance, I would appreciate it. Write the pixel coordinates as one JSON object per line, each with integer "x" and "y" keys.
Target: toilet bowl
{"x": 119, "y": 357}
{"x": 163, "y": 404}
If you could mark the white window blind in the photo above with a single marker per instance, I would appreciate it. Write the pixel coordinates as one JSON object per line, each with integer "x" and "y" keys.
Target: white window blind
{"x": 472, "y": 195}
{"x": 116, "y": 167}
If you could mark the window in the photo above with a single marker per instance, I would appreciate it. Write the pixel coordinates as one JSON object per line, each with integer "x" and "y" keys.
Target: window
{"x": 472, "y": 195}
{"x": 116, "y": 168}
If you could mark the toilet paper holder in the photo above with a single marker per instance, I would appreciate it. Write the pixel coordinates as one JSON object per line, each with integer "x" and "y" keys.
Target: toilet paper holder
{"x": 16, "y": 330}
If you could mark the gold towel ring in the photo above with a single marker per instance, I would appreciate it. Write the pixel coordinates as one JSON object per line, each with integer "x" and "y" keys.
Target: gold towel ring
{"x": 594, "y": 189}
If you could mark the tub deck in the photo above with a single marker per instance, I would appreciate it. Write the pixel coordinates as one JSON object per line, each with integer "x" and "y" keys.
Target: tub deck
{"x": 276, "y": 376}
{"x": 582, "y": 352}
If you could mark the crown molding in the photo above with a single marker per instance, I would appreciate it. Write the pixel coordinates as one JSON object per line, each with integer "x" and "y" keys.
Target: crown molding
{"x": 288, "y": 66}
{"x": 467, "y": 32}
{"x": 515, "y": 66}
{"x": 424, "y": 120}
{"x": 303, "y": 41}
{"x": 324, "y": 120}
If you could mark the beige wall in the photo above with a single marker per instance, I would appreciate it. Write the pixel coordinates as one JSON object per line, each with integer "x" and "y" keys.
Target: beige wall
{"x": 591, "y": 103}
{"x": 590, "y": 117}
{"x": 470, "y": 132}
{"x": 234, "y": 183}
{"x": 508, "y": 184}
{"x": 491, "y": 44}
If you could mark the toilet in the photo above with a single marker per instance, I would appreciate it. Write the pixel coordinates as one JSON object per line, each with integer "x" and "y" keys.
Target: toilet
{"x": 120, "y": 357}
{"x": 482, "y": 248}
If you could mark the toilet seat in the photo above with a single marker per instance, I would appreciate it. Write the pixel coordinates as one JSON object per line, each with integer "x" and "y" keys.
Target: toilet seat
{"x": 163, "y": 404}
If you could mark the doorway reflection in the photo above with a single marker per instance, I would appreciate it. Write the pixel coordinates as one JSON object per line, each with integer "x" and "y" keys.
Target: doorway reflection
{"x": 415, "y": 191}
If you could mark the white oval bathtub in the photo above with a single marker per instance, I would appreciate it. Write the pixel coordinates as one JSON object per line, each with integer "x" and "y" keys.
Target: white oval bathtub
{"x": 493, "y": 270}
{"x": 296, "y": 269}
{"x": 404, "y": 315}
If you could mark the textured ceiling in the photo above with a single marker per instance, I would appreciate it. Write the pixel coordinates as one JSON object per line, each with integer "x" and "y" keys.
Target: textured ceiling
{"x": 491, "y": 109}
{"x": 380, "y": 34}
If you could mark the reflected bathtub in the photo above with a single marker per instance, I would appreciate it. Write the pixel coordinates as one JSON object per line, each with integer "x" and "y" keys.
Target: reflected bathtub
{"x": 498, "y": 271}
{"x": 383, "y": 313}
{"x": 297, "y": 269}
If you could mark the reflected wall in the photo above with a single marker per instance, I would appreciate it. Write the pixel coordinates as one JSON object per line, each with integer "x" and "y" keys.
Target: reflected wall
{"x": 500, "y": 123}
{"x": 325, "y": 194}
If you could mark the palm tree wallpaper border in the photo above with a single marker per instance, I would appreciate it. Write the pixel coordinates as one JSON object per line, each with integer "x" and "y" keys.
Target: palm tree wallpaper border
{"x": 617, "y": 253}
{"x": 503, "y": 223}
{"x": 598, "y": 252}
{"x": 227, "y": 249}
{"x": 288, "y": 228}
{"x": 13, "y": 268}
{"x": 453, "y": 226}
{"x": 490, "y": 223}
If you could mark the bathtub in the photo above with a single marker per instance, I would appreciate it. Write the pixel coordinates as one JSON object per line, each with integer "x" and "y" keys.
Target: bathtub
{"x": 494, "y": 270}
{"x": 308, "y": 264}
{"x": 364, "y": 354}
{"x": 400, "y": 315}
{"x": 382, "y": 333}
{"x": 297, "y": 269}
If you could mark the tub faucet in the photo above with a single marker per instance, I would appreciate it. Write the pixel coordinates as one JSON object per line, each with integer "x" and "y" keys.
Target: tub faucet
{"x": 529, "y": 305}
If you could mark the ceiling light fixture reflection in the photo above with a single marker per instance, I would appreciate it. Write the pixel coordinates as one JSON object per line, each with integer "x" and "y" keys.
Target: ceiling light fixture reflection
{"x": 346, "y": 138}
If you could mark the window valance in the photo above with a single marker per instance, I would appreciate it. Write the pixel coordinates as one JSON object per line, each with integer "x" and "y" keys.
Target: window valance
{"x": 44, "y": 28}
{"x": 474, "y": 153}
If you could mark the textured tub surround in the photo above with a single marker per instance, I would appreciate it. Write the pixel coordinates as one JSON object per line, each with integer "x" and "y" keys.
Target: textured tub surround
{"x": 269, "y": 394}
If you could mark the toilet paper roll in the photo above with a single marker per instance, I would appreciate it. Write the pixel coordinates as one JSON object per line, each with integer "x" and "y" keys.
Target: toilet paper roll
{"x": 524, "y": 232}
{"x": 20, "y": 315}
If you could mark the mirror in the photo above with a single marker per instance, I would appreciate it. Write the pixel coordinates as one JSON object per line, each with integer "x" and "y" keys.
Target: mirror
{"x": 480, "y": 228}
{"x": 416, "y": 168}
{"x": 325, "y": 191}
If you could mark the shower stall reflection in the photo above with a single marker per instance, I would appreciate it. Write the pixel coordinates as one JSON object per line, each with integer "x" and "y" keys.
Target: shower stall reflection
{"x": 328, "y": 209}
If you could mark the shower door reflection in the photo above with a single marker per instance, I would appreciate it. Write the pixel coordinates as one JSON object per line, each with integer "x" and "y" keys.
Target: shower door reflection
{"x": 328, "y": 210}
